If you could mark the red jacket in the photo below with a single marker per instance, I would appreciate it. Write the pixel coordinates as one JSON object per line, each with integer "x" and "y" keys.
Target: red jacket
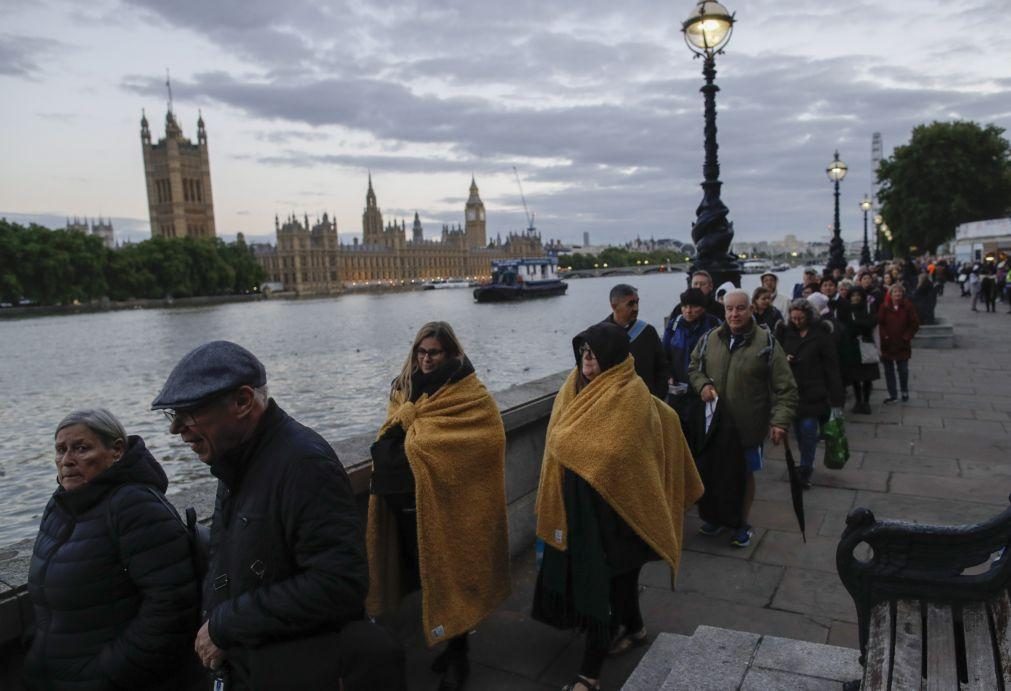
{"x": 898, "y": 324}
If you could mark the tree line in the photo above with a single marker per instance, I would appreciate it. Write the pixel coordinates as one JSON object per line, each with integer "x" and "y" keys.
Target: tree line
{"x": 52, "y": 267}
{"x": 621, "y": 256}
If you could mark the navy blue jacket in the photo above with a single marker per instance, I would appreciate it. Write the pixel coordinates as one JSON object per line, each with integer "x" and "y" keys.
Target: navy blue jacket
{"x": 112, "y": 584}
{"x": 679, "y": 339}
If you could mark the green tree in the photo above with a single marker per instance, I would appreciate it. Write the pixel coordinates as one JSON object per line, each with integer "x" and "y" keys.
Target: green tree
{"x": 949, "y": 173}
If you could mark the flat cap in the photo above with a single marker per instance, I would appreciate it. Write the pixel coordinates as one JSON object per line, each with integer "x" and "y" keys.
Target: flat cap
{"x": 768, "y": 273}
{"x": 208, "y": 370}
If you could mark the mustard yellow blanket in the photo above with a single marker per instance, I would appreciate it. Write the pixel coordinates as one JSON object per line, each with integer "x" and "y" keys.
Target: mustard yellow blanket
{"x": 455, "y": 445}
{"x": 628, "y": 446}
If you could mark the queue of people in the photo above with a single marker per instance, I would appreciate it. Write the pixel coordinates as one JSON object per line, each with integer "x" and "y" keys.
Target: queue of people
{"x": 294, "y": 579}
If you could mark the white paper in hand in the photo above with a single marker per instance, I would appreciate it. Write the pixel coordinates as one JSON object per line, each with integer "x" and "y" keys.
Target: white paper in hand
{"x": 710, "y": 412}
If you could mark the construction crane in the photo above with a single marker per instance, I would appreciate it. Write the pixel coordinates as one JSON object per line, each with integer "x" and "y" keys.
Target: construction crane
{"x": 530, "y": 216}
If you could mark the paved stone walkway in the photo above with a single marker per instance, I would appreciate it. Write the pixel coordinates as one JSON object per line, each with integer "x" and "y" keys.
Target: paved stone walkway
{"x": 943, "y": 457}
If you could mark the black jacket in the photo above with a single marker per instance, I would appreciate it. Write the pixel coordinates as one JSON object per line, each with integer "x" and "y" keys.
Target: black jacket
{"x": 815, "y": 366}
{"x": 287, "y": 558}
{"x": 650, "y": 361}
{"x": 112, "y": 584}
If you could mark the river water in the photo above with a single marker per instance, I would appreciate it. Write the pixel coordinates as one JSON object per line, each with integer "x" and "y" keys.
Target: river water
{"x": 329, "y": 363}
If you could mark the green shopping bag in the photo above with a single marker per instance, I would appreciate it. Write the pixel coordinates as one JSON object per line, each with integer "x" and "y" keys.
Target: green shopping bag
{"x": 837, "y": 448}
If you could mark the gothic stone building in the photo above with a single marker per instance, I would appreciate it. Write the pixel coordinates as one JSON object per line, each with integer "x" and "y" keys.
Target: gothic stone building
{"x": 311, "y": 261}
{"x": 178, "y": 176}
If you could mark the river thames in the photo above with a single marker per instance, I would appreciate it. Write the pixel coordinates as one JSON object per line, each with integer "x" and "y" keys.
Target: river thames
{"x": 329, "y": 363}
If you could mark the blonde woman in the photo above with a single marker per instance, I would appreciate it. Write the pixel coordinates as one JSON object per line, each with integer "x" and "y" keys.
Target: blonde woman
{"x": 437, "y": 510}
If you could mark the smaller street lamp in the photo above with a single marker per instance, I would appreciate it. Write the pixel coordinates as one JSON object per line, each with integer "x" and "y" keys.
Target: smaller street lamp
{"x": 836, "y": 171}
{"x": 878, "y": 220}
{"x": 865, "y": 251}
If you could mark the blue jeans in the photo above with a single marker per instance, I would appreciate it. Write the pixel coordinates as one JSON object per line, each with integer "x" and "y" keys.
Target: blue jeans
{"x": 890, "y": 367}
{"x": 806, "y": 430}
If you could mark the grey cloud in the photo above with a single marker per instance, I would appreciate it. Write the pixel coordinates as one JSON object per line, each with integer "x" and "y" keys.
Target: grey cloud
{"x": 287, "y": 136}
{"x": 22, "y": 56}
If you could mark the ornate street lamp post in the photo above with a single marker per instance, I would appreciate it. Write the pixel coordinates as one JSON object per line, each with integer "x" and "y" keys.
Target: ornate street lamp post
{"x": 707, "y": 31}
{"x": 836, "y": 171}
{"x": 865, "y": 251}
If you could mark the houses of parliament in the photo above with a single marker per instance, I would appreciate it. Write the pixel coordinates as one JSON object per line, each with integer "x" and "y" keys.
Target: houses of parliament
{"x": 310, "y": 260}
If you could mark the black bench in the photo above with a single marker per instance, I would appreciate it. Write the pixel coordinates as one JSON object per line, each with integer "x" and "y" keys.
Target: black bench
{"x": 932, "y": 602}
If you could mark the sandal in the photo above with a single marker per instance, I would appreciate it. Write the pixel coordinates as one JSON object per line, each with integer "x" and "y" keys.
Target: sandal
{"x": 626, "y": 641}
{"x": 581, "y": 682}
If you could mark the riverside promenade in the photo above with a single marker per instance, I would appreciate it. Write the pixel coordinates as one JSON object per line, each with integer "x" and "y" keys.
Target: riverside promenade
{"x": 944, "y": 457}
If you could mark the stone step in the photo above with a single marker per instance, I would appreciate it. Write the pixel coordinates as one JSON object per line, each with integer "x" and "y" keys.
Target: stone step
{"x": 654, "y": 667}
{"x": 939, "y": 335}
{"x": 715, "y": 658}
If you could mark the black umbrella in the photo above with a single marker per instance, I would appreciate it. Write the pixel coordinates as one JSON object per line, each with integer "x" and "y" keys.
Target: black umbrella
{"x": 796, "y": 488}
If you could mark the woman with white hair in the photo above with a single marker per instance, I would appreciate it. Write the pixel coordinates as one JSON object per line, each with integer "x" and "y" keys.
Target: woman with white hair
{"x": 111, "y": 576}
{"x": 811, "y": 351}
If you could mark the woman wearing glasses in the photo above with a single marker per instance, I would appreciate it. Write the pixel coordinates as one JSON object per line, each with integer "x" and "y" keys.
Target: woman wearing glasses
{"x": 111, "y": 578}
{"x": 616, "y": 479}
{"x": 437, "y": 509}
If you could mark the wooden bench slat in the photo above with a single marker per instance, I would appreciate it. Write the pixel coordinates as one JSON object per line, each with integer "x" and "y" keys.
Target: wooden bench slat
{"x": 1000, "y": 616}
{"x": 979, "y": 661}
{"x": 907, "y": 665}
{"x": 942, "y": 671}
{"x": 878, "y": 668}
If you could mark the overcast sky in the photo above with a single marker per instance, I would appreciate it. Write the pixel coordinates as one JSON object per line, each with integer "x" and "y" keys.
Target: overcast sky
{"x": 596, "y": 104}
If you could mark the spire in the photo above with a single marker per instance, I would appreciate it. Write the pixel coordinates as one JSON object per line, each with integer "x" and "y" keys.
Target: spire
{"x": 143, "y": 119}
{"x": 168, "y": 87}
{"x": 200, "y": 118}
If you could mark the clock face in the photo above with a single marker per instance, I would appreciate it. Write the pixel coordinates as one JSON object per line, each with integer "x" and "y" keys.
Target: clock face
{"x": 480, "y": 215}
{"x": 471, "y": 215}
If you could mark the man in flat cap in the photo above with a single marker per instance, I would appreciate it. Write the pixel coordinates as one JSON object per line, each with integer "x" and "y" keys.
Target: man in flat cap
{"x": 284, "y": 593}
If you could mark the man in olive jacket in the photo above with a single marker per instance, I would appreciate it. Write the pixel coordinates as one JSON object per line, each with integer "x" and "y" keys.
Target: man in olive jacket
{"x": 742, "y": 366}
{"x": 283, "y": 598}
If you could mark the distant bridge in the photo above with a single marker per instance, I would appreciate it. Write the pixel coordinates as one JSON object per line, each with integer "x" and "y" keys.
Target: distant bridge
{"x": 637, "y": 270}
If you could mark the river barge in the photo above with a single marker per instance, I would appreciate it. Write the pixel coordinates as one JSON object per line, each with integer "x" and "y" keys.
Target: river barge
{"x": 522, "y": 279}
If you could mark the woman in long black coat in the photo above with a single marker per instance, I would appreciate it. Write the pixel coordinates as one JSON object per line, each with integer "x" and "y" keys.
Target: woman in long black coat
{"x": 111, "y": 577}
{"x": 859, "y": 328}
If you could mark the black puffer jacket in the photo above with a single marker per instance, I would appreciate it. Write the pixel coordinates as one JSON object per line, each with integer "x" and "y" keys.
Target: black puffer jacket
{"x": 287, "y": 556}
{"x": 814, "y": 360}
{"x": 112, "y": 584}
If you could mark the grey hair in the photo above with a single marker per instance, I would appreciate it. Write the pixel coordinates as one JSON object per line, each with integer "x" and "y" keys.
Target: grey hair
{"x": 100, "y": 421}
{"x": 805, "y": 306}
{"x": 262, "y": 394}
{"x": 735, "y": 291}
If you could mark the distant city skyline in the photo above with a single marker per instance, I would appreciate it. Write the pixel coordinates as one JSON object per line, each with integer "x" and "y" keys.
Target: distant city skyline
{"x": 599, "y": 110}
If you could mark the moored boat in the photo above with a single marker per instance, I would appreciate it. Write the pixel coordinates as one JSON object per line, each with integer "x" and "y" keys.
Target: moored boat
{"x": 756, "y": 266}
{"x": 521, "y": 279}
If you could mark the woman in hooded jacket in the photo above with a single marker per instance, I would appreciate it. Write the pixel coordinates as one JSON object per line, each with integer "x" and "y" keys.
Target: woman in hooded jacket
{"x": 111, "y": 576}
{"x": 438, "y": 489}
{"x": 811, "y": 351}
{"x": 616, "y": 479}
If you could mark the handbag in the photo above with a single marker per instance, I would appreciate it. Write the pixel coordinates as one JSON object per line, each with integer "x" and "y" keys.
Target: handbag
{"x": 868, "y": 353}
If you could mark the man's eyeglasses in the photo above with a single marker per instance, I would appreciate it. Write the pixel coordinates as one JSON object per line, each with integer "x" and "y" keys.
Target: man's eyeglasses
{"x": 429, "y": 352}
{"x": 188, "y": 417}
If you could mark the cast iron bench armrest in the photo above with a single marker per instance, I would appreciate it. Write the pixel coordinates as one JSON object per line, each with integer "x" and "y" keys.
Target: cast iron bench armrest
{"x": 922, "y": 562}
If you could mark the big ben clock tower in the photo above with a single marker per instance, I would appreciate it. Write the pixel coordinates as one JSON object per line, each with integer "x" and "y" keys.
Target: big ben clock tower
{"x": 475, "y": 226}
